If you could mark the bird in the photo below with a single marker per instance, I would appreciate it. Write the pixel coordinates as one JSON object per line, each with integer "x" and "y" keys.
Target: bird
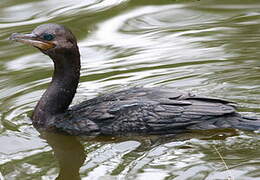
{"x": 133, "y": 111}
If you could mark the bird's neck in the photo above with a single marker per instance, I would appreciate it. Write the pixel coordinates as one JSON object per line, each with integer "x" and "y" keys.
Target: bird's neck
{"x": 61, "y": 91}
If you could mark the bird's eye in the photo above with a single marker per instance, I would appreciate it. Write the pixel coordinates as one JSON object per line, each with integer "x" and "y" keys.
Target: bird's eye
{"x": 48, "y": 37}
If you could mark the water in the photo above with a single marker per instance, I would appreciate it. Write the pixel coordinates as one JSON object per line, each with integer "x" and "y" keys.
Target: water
{"x": 209, "y": 47}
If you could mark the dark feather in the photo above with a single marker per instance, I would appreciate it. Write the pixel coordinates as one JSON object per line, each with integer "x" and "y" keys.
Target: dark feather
{"x": 152, "y": 111}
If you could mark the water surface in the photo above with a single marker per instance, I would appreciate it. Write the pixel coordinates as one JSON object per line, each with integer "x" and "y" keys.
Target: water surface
{"x": 209, "y": 47}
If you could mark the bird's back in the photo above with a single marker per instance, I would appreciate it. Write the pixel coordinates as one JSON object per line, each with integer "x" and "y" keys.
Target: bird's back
{"x": 151, "y": 111}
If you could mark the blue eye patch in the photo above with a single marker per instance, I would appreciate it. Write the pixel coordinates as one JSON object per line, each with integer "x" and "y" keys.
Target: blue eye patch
{"x": 48, "y": 37}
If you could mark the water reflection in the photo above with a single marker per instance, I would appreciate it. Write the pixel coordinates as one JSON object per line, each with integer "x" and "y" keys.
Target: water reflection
{"x": 181, "y": 156}
{"x": 69, "y": 152}
{"x": 27, "y": 13}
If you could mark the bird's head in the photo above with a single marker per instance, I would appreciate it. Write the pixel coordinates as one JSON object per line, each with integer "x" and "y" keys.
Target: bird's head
{"x": 51, "y": 39}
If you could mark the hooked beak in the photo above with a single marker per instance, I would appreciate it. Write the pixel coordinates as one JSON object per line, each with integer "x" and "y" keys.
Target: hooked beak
{"x": 33, "y": 40}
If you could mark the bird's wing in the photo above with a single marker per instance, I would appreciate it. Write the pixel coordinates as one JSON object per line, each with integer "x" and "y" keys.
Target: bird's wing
{"x": 186, "y": 112}
{"x": 151, "y": 111}
{"x": 159, "y": 116}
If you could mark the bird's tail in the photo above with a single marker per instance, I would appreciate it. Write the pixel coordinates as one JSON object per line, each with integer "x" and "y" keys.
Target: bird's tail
{"x": 246, "y": 123}
{"x": 236, "y": 121}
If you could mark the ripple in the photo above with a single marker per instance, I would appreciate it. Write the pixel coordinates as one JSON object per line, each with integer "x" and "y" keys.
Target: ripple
{"x": 41, "y": 11}
{"x": 208, "y": 47}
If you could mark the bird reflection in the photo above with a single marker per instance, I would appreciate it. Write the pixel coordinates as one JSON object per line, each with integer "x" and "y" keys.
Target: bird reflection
{"x": 69, "y": 152}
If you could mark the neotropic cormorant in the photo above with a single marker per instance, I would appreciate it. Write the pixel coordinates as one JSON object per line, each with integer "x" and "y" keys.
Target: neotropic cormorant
{"x": 133, "y": 111}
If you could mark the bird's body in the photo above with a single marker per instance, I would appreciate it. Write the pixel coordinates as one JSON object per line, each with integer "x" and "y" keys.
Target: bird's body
{"x": 149, "y": 111}
{"x": 133, "y": 111}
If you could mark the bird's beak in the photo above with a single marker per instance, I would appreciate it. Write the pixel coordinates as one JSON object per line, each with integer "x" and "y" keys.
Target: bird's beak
{"x": 33, "y": 40}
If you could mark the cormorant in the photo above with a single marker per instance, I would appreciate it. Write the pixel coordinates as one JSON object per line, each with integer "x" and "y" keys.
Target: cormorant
{"x": 133, "y": 111}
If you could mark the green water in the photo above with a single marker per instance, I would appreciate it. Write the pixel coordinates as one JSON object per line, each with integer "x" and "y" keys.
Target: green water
{"x": 209, "y": 47}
